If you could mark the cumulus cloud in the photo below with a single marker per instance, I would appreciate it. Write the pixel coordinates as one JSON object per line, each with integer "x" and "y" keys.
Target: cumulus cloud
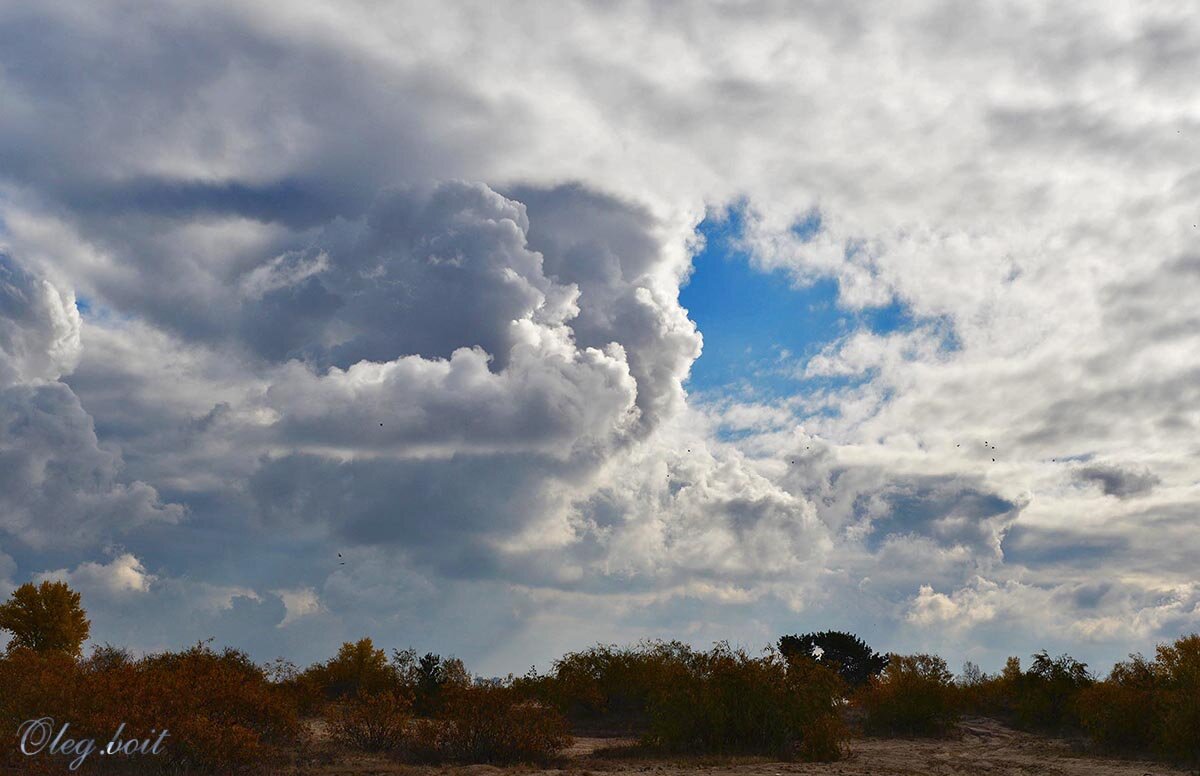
{"x": 39, "y": 327}
{"x": 276, "y": 253}
{"x": 302, "y": 602}
{"x": 58, "y": 486}
{"x": 122, "y": 575}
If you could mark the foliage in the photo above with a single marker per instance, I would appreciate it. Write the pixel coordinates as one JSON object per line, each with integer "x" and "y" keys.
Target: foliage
{"x": 914, "y": 696}
{"x": 855, "y": 662}
{"x": 1149, "y": 706}
{"x": 45, "y": 618}
{"x": 220, "y": 711}
{"x": 358, "y": 668}
{"x": 371, "y": 723}
{"x": 1118, "y": 713}
{"x": 428, "y": 677}
{"x": 1044, "y": 697}
{"x": 493, "y": 724}
{"x": 725, "y": 701}
{"x": 1177, "y": 670}
{"x": 606, "y": 685}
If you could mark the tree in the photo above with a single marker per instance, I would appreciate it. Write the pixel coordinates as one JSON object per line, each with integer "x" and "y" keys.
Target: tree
{"x": 855, "y": 661}
{"x": 45, "y": 618}
{"x": 358, "y": 669}
{"x": 428, "y": 676}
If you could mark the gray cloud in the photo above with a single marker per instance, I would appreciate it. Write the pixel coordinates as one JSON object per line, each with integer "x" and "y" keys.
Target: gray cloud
{"x": 39, "y": 327}
{"x": 247, "y": 202}
{"x": 1118, "y": 481}
{"x": 58, "y": 486}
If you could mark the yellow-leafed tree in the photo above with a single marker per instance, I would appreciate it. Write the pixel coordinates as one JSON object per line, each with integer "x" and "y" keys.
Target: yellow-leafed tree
{"x": 45, "y": 618}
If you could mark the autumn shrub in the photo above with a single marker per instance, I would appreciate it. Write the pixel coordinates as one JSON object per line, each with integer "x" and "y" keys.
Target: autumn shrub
{"x": 427, "y": 741}
{"x": 915, "y": 696}
{"x": 220, "y": 709}
{"x": 608, "y": 686}
{"x": 358, "y": 668}
{"x": 1149, "y": 707}
{"x": 428, "y": 678}
{"x": 991, "y": 695}
{"x": 725, "y": 701}
{"x": 1045, "y": 697}
{"x": 34, "y": 685}
{"x": 1177, "y": 669}
{"x": 371, "y": 723}
{"x": 1119, "y": 714}
{"x": 492, "y": 724}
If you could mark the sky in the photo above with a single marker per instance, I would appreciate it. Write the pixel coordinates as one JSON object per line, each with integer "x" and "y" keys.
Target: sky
{"x": 500, "y": 332}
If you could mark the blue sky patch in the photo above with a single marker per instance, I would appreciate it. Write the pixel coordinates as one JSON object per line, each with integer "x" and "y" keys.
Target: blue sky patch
{"x": 760, "y": 327}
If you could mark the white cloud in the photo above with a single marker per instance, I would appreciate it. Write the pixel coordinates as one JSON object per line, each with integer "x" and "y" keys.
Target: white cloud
{"x": 272, "y": 275}
{"x": 301, "y": 602}
{"x": 122, "y": 575}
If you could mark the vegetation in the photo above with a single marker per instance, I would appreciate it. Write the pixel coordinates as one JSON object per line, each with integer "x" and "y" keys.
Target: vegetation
{"x": 226, "y": 714}
{"x": 219, "y": 708}
{"x": 915, "y": 696}
{"x": 371, "y": 723}
{"x": 854, "y": 661}
{"x": 1149, "y": 706}
{"x": 725, "y": 701}
{"x": 45, "y": 618}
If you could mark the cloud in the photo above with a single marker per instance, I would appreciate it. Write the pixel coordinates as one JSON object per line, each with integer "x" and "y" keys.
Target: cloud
{"x": 302, "y": 224}
{"x": 58, "y": 486}
{"x": 39, "y": 327}
{"x": 302, "y": 602}
{"x": 1117, "y": 481}
{"x": 122, "y": 575}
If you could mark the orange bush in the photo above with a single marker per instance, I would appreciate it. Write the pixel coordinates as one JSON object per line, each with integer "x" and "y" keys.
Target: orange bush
{"x": 1149, "y": 706}
{"x": 1118, "y": 714}
{"x": 1177, "y": 671}
{"x": 218, "y": 708}
{"x": 608, "y": 686}
{"x": 359, "y": 668}
{"x": 915, "y": 695}
{"x": 34, "y": 685}
{"x": 725, "y": 701}
{"x": 492, "y": 724}
{"x": 371, "y": 722}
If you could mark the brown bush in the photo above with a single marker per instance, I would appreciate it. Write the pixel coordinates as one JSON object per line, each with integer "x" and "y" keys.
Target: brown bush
{"x": 34, "y": 685}
{"x": 359, "y": 668}
{"x": 221, "y": 711}
{"x": 427, "y": 741}
{"x": 1177, "y": 671}
{"x": 218, "y": 708}
{"x": 371, "y": 723}
{"x": 1119, "y": 713}
{"x": 1149, "y": 707}
{"x": 824, "y": 740}
{"x": 607, "y": 686}
{"x": 915, "y": 695}
{"x": 724, "y": 701}
{"x": 493, "y": 724}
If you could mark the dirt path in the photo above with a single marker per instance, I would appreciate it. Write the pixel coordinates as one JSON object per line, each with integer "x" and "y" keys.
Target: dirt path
{"x": 986, "y": 747}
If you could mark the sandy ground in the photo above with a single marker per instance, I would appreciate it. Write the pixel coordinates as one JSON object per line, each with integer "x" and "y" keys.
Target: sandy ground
{"x": 984, "y": 747}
